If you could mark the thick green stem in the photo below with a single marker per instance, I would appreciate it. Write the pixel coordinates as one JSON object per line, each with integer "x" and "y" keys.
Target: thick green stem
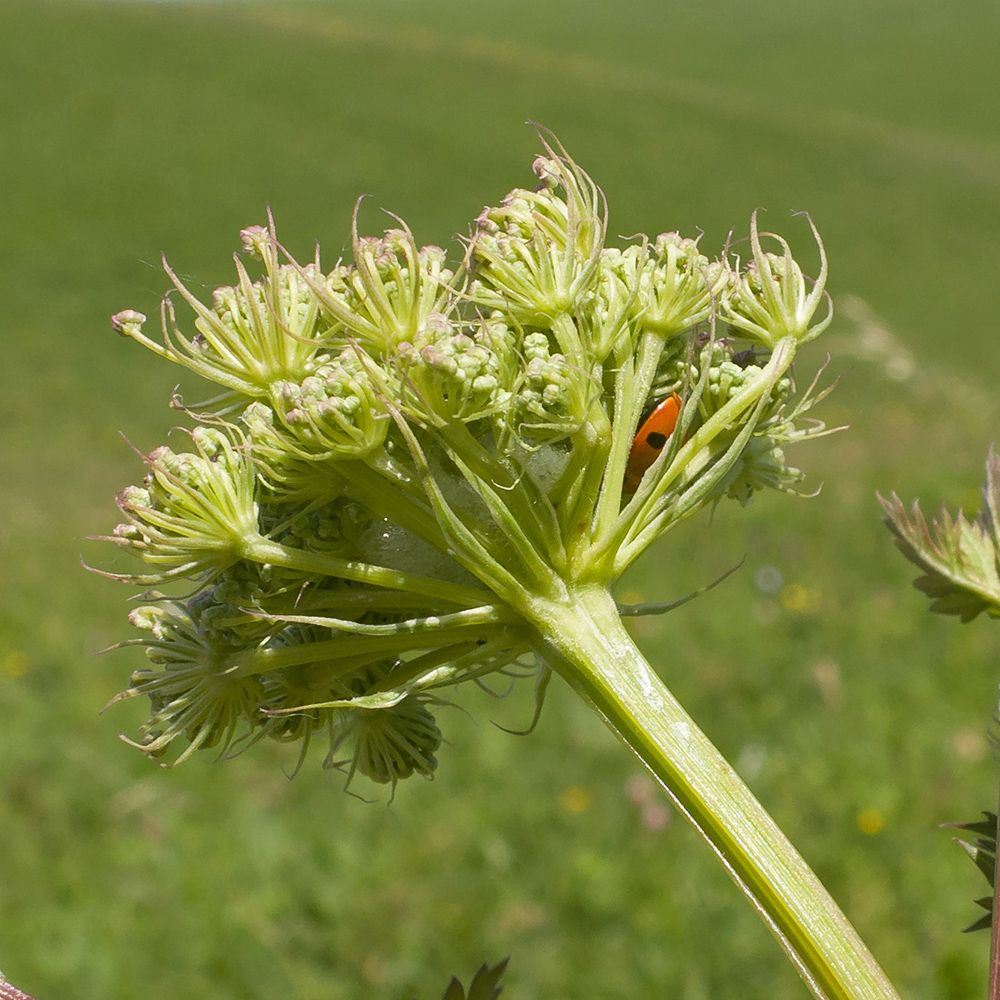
{"x": 585, "y": 642}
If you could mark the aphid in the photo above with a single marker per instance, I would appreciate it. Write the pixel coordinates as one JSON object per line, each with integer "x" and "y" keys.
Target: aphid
{"x": 651, "y": 439}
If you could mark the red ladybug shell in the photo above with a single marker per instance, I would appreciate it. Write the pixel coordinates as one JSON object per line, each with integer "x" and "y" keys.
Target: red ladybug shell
{"x": 651, "y": 439}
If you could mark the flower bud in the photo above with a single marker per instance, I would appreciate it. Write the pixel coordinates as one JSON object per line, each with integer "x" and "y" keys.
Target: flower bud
{"x": 191, "y": 696}
{"x": 335, "y": 413}
{"x": 387, "y": 295}
{"x": 389, "y": 744}
{"x": 128, "y": 323}
{"x": 446, "y": 374}
{"x": 195, "y": 511}
{"x": 679, "y": 286}
{"x": 770, "y": 299}
{"x": 256, "y": 240}
{"x": 551, "y": 399}
{"x": 536, "y": 256}
{"x": 254, "y": 333}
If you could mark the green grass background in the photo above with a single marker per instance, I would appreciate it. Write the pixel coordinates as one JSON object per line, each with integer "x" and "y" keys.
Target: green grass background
{"x": 131, "y": 129}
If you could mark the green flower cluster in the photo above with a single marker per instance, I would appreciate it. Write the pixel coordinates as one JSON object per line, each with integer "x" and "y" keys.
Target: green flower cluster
{"x": 407, "y": 466}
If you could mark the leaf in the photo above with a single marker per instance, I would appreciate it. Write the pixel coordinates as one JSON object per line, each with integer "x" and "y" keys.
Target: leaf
{"x": 484, "y": 985}
{"x": 985, "y": 827}
{"x": 984, "y": 854}
{"x": 959, "y": 558}
{"x": 454, "y": 991}
{"x": 983, "y": 857}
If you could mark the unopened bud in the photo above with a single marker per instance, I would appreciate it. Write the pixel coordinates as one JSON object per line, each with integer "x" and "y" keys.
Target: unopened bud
{"x": 128, "y": 322}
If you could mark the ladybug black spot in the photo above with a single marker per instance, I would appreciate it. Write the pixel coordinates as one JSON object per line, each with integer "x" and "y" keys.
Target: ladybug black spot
{"x": 656, "y": 440}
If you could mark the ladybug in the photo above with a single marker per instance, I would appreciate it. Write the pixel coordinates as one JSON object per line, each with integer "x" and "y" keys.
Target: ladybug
{"x": 651, "y": 439}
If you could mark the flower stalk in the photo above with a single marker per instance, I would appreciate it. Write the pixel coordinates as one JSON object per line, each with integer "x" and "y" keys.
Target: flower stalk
{"x": 9, "y": 992}
{"x": 418, "y": 476}
{"x": 590, "y": 648}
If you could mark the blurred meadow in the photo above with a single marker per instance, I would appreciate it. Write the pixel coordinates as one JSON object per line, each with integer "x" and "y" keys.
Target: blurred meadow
{"x": 861, "y": 722}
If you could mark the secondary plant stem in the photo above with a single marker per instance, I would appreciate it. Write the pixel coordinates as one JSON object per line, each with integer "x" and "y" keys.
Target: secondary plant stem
{"x": 8, "y": 992}
{"x": 586, "y": 642}
{"x": 994, "y": 993}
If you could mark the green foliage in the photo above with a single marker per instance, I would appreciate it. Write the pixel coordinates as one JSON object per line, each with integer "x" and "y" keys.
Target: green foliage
{"x": 484, "y": 985}
{"x": 960, "y": 558}
{"x": 961, "y": 563}
{"x": 983, "y": 853}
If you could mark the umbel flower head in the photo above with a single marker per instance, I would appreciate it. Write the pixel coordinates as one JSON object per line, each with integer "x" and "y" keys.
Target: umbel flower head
{"x": 411, "y": 471}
